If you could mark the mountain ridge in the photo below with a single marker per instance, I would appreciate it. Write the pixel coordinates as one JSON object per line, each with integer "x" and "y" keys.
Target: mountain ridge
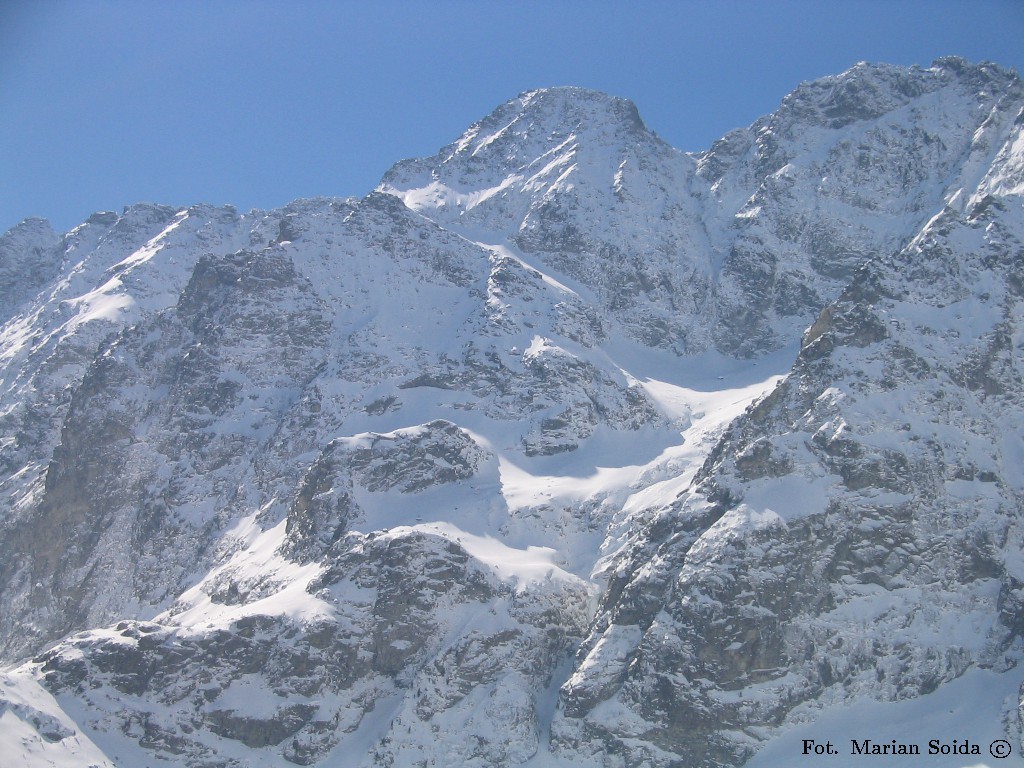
{"x": 505, "y": 440}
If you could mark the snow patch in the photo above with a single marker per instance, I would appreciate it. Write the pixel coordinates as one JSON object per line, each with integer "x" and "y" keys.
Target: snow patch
{"x": 525, "y": 568}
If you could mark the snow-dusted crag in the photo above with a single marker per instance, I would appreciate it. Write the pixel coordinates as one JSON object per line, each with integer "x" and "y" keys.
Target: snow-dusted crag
{"x": 857, "y": 532}
{"x": 510, "y": 462}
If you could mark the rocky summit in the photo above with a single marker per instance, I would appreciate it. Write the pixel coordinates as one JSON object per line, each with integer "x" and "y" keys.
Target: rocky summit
{"x": 563, "y": 447}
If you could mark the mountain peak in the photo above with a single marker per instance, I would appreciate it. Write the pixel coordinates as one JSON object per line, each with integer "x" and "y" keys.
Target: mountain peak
{"x": 525, "y": 128}
{"x": 29, "y": 257}
{"x": 960, "y": 66}
{"x": 869, "y": 90}
{"x": 558, "y": 109}
{"x": 579, "y": 105}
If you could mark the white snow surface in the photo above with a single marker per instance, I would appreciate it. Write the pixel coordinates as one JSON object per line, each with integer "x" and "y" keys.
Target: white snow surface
{"x": 36, "y": 733}
{"x": 972, "y": 710}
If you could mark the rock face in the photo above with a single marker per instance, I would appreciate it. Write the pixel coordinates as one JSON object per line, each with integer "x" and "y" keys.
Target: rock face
{"x": 473, "y": 471}
{"x": 403, "y": 626}
{"x": 853, "y": 533}
{"x": 30, "y": 258}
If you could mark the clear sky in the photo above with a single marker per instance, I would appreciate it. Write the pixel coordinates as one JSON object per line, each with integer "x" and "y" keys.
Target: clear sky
{"x": 258, "y": 102}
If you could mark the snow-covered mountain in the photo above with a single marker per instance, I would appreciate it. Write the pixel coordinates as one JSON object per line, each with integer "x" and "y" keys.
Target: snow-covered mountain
{"x": 561, "y": 448}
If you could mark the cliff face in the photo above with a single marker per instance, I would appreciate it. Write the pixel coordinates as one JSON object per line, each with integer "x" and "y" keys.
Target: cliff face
{"x": 856, "y": 532}
{"x": 464, "y": 471}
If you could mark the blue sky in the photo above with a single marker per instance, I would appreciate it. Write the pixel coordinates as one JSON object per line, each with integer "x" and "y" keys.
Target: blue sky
{"x": 258, "y": 102}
